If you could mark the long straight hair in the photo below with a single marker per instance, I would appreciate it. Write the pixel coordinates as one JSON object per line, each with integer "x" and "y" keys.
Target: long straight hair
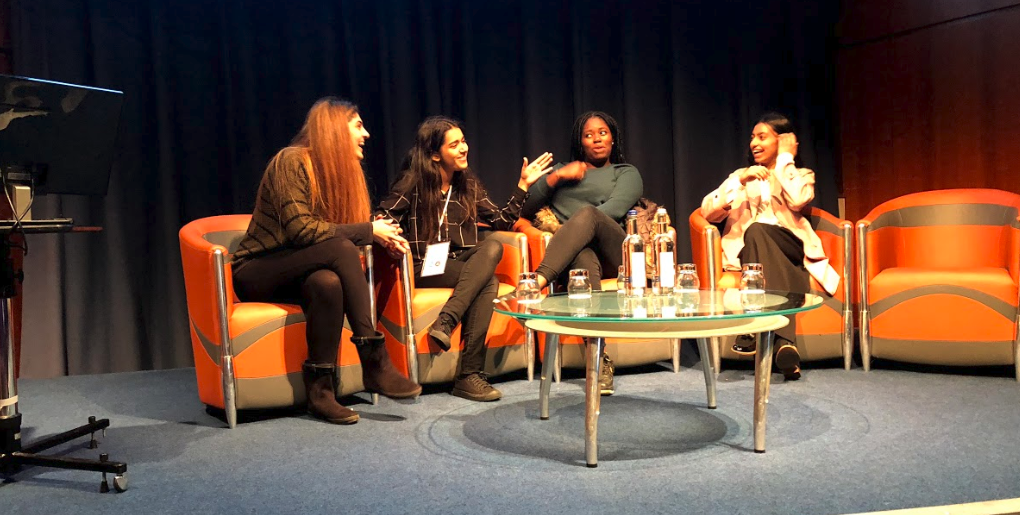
{"x": 428, "y": 176}
{"x": 339, "y": 193}
{"x": 577, "y": 135}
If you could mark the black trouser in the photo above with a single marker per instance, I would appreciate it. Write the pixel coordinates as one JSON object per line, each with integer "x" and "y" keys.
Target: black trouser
{"x": 472, "y": 276}
{"x": 589, "y": 240}
{"x": 325, "y": 279}
{"x": 781, "y": 254}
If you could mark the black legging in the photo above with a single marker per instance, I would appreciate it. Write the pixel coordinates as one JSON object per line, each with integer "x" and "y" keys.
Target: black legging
{"x": 472, "y": 276}
{"x": 781, "y": 254}
{"x": 325, "y": 279}
{"x": 589, "y": 239}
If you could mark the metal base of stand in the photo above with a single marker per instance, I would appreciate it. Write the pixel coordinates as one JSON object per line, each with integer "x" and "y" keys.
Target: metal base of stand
{"x": 14, "y": 456}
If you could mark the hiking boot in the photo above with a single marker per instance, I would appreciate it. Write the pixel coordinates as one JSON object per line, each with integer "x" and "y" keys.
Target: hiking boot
{"x": 746, "y": 345}
{"x": 441, "y": 330}
{"x": 606, "y": 384}
{"x": 788, "y": 361}
{"x": 475, "y": 387}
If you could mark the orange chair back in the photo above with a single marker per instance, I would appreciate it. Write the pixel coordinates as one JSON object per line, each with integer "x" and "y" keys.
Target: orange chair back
{"x": 958, "y": 228}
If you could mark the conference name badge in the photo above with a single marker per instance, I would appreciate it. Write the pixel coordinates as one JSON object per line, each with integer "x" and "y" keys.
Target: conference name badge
{"x": 435, "y": 259}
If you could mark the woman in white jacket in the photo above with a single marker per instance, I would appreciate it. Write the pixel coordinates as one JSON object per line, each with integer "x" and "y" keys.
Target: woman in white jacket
{"x": 762, "y": 206}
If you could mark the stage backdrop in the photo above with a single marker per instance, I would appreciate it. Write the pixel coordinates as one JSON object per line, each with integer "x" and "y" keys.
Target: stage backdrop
{"x": 213, "y": 89}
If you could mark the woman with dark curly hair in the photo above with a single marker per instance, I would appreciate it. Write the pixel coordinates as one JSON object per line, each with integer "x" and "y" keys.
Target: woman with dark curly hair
{"x": 589, "y": 197}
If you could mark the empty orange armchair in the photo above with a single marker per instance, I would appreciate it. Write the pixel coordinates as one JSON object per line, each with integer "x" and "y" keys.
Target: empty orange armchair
{"x": 407, "y": 312}
{"x": 826, "y": 332}
{"x": 248, "y": 355}
{"x": 940, "y": 280}
{"x": 624, "y": 352}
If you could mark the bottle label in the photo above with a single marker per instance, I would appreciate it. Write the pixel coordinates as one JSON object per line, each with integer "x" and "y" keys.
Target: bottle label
{"x": 637, "y": 270}
{"x": 667, "y": 270}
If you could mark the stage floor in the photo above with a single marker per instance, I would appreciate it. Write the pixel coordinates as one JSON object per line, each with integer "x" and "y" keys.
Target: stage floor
{"x": 838, "y": 442}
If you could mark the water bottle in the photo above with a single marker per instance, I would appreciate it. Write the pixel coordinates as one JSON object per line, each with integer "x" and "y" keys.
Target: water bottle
{"x": 634, "y": 258}
{"x": 663, "y": 249}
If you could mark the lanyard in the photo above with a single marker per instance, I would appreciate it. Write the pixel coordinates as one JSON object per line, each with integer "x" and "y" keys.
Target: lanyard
{"x": 442, "y": 216}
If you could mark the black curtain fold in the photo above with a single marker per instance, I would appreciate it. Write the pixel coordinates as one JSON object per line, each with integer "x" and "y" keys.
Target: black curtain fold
{"x": 212, "y": 90}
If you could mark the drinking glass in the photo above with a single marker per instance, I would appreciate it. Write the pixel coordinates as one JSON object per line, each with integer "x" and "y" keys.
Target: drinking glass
{"x": 527, "y": 287}
{"x": 621, "y": 281}
{"x": 579, "y": 286}
{"x": 579, "y": 306}
{"x": 752, "y": 287}
{"x": 687, "y": 285}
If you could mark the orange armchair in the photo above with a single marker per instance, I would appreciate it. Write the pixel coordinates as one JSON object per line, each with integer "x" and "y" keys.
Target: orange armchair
{"x": 248, "y": 355}
{"x": 624, "y": 352}
{"x": 826, "y": 332}
{"x": 407, "y": 312}
{"x": 940, "y": 278}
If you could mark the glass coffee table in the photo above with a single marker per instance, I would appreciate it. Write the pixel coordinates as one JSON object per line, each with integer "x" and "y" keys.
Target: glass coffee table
{"x": 702, "y": 315}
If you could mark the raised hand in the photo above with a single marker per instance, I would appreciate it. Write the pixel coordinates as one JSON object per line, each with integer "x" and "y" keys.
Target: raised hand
{"x": 537, "y": 168}
{"x": 386, "y": 232}
{"x": 788, "y": 143}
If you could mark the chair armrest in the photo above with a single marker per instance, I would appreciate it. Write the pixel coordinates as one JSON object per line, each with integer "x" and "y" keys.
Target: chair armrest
{"x": 1013, "y": 250}
{"x": 515, "y": 255}
{"x": 706, "y": 250}
{"x": 837, "y": 238}
{"x": 207, "y": 273}
{"x": 537, "y": 241}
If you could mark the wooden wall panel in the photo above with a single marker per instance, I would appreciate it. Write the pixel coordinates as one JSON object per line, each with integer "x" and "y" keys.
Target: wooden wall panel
{"x": 929, "y": 109}
{"x": 864, "y": 20}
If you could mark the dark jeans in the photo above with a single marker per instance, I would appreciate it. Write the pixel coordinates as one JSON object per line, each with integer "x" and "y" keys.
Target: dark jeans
{"x": 325, "y": 279}
{"x": 589, "y": 240}
{"x": 472, "y": 276}
{"x": 781, "y": 254}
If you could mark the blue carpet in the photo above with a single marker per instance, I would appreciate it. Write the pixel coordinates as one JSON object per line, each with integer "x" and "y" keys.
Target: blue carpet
{"x": 837, "y": 441}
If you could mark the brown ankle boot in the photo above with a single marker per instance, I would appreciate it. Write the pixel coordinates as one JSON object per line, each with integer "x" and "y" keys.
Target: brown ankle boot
{"x": 377, "y": 371}
{"x": 321, "y": 393}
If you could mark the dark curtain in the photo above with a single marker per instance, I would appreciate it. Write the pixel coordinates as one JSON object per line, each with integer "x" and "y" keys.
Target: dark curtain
{"x": 213, "y": 89}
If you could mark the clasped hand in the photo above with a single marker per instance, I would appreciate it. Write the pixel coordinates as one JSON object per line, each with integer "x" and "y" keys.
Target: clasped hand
{"x": 387, "y": 233}
{"x": 752, "y": 173}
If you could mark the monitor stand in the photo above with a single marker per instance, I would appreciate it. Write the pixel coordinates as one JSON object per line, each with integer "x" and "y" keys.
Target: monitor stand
{"x": 14, "y": 455}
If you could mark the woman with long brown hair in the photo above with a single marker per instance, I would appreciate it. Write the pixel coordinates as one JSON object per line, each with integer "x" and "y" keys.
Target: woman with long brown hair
{"x": 439, "y": 202}
{"x": 311, "y": 213}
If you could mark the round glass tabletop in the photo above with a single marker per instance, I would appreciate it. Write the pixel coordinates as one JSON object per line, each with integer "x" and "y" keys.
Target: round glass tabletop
{"x": 684, "y": 306}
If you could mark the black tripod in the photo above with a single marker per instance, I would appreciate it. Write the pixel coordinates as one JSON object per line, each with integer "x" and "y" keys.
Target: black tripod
{"x": 12, "y": 454}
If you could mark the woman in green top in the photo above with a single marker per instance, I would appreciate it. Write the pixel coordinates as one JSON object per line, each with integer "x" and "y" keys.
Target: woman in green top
{"x": 590, "y": 197}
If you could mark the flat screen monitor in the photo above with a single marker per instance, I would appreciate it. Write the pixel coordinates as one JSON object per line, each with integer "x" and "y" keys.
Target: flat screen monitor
{"x": 61, "y": 135}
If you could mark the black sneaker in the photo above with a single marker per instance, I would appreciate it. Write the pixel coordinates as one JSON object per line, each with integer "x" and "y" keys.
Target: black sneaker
{"x": 745, "y": 345}
{"x": 788, "y": 361}
{"x": 441, "y": 330}
{"x": 606, "y": 384}
{"x": 475, "y": 387}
